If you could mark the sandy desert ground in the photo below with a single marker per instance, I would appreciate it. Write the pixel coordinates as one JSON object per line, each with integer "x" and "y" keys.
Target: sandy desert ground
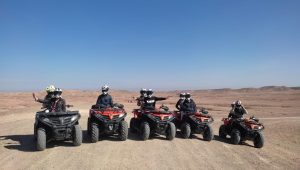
{"x": 278, "y": 109}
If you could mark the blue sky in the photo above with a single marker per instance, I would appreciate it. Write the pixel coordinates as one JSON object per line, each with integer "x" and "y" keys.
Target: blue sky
{"x": 160, "y": 44}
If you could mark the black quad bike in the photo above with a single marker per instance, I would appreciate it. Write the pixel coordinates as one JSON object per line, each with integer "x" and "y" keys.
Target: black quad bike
{"x": 153, "y": 122}
{"x": 57, "y": 126}
{"x": 107, "y": 121}
{"x": 194, "y": 123}
{"x": 241, "y": 130}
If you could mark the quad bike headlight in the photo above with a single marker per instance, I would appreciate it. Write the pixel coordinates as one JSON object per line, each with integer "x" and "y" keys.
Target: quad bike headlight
{"x": 170, "y": 117}
{"x": 121, "y": 115}
{"x": 74, "y": 118}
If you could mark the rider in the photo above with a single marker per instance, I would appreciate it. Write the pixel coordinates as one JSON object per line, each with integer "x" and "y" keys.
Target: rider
{"x": 238, "y": 110}
{"x": 143, "y": 94}
{"x": 104, "y": 100}
{"x": 180, "y": 101}
{"x": 188, "y": 104}
{"x": 150, "y": 100}
{"x": 47, "y": 99}
{"x": 58, "y": 104}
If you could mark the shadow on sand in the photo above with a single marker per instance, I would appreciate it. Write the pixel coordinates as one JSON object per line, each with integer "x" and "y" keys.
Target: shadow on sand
{"x": 27, "y": 143}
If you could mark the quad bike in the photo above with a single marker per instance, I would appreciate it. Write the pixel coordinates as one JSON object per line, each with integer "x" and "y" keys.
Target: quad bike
{"x": 107, "y": 121}
{"x": 57, "y": 126}
{"x": 243, "y": 129}
{"x": 153, "y": 122}
{"x": 194, "y": 123}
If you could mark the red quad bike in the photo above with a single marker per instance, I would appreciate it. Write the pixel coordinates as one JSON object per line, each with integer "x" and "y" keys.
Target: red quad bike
{"x": 151, "y": 122}
{"x": 194, "y": 123}
{"x": 107, "y": 121}
{"x": 243, "y": 129}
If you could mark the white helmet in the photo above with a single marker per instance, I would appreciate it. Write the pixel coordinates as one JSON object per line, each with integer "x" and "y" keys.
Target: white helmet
{"x": 105, "y": 88}
{"x": 57, "y": 92}
{"x": 50, "y": 88}
{"x": 238, "y": 103}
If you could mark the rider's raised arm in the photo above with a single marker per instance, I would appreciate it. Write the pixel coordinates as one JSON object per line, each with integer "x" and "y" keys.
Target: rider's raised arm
{"x": 244, "y": 110}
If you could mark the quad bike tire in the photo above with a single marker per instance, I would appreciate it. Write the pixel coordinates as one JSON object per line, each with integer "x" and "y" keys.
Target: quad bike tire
{"x": 222, "y": 132}
{"x": 77, "y": 135}
{"x": 34, "y": 133}
{"x": 171, "y": 131}
{"x": 94, "y": 133}
{"x": 41, "y": 139}
{"x": 132, "y": 122}
{"x": 123, "y": 133}
{"x": 235, "y": 136}
{"x": 145, "y": 131}
{"x": 208, "y": 133}
{"x": 89, "y": 126}
{"x": 185, "y": 130}
{"x": 258, "y": 140}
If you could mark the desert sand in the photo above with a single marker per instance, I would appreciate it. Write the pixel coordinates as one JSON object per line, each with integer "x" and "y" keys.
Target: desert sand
{"x": 277, "y": 108}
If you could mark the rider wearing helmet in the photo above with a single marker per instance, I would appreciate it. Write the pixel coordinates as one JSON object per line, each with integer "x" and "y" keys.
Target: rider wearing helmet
{"x": 188, "y": 104}
{"x": 47, "y": 100}
{"x": 238, "y": 110}
{"x": 104, "y": 100}
{"x": 180, "y": 101}
{"x": 58, "y": 104}
{"x": 150, "y": 100}
{"x": 143, "y": 94}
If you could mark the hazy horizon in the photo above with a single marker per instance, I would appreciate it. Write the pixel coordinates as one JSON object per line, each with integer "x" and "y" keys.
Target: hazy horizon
{"x": 158, "y": 90}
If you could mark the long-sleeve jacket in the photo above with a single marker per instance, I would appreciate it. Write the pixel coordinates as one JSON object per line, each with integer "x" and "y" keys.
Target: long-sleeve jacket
{"x": 236, "y": 112}
{"x": 58, "y": 105}
{"x": 188, "y": 106}
{"x": 104, "y": 101}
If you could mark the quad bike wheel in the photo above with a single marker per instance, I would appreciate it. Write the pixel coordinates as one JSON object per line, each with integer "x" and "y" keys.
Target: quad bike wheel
{"x": 41, "y": 139}
{"x": 185, "y": 130}
{"x": 145, "y": 130}
{"x": 123, "y": 134}
{"x": 171, "y": 131}
{"x": 34, "y": 133}
{"x": 222, "y": 132}
{"x": 94, "y": 133}
{"x": 89, "y": 126}
{"x": 132, "y": 122}
{"x": 208, "y": 134}
{"x": 235, "y": 136}
{"x": 258, "y": 140}
{"x": 77, "y": 135}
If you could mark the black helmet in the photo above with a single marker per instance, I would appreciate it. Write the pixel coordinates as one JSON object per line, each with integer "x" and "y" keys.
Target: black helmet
{"x": 182, "y": 95}
{"x": 143, "y": 91}
{"x": 149, "y": 92}
{"x": 58, "y": 91}
{"x": 187, "y": 95}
